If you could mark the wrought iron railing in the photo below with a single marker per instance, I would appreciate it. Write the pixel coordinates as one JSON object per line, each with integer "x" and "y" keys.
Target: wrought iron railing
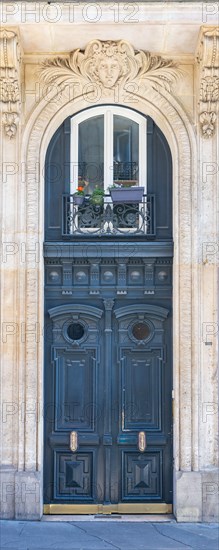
{"x": 108, "y": 218}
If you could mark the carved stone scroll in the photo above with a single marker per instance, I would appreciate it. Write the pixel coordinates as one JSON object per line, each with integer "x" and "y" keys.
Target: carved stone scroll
{"x": 108, "y": 64}
{"x": 208, "y": 58}
{"x": 9, "y": 81}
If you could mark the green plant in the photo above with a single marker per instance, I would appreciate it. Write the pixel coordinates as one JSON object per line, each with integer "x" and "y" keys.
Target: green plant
{"x": 98, "y": 191}
{"x": 97, "y": 196}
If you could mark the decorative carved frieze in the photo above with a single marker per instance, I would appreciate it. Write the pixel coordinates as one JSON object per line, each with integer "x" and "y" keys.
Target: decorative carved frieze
{"x": 208, "y": 58}
{"x": 9, "y": 81}
{"x": 108, "y": 64}
{"x": 148, "y": 276}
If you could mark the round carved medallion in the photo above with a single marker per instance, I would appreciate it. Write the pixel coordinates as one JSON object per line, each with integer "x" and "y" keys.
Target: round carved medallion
{"x": 108, "y": 276}
{"x": 135, "y": 275}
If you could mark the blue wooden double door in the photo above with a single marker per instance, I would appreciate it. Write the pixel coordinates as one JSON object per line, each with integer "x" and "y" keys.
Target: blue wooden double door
{"x": 108, "y": 381}
{"x": 108, "y": 336}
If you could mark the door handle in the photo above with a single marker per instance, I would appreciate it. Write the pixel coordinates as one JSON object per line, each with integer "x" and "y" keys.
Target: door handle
{"x": 73, "y": 443}
{"x": 142, "y": 442}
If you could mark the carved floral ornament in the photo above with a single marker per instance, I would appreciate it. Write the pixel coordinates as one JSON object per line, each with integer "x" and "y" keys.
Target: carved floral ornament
{"x": 208, "y": 57}
{"x": 9, "y": 81}
{"x": 109, "y": 64}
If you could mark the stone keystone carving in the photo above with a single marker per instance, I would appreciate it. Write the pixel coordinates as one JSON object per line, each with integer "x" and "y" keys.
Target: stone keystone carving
{"x": 9, "y": 81}
{"x": 109, "y": 64}
{"x": 208, "y": 57}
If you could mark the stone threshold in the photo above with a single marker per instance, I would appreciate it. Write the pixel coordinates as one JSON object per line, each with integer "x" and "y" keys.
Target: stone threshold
{"x": 131, "y": 518}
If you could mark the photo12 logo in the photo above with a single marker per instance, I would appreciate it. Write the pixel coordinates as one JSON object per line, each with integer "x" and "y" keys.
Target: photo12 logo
{"x": 69, "y": 12}
{"x": 210, "y": 12}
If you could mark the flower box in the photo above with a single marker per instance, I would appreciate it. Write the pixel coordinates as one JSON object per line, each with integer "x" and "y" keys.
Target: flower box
{"x": 78, "y": 200}
{"x": 127, "y": 194}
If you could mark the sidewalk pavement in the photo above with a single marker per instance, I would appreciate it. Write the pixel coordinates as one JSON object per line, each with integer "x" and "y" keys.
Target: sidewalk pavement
{"x": 107, "y": 534}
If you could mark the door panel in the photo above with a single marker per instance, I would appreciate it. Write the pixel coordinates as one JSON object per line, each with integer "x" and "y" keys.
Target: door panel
{"x": 142, "y": 475}
{"x": 76, "y": 381}
{"x": 142, "y": 374}
{"x": 75, "y": 474}
{"x": 141, "y": 391}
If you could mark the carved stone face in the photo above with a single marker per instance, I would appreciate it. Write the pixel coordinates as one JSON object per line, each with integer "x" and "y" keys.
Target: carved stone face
{"x": 108, "y": 71}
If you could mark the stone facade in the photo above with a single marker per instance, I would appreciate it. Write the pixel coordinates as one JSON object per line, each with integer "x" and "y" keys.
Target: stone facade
{"x": 169, "y": 70}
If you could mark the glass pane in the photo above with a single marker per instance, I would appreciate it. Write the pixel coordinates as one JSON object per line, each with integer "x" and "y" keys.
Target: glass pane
{"x": 75, "y": 331}
{"x": 91, "y": 153}
{"x": 125, "y": 151}
{"x": 140, "y": 331}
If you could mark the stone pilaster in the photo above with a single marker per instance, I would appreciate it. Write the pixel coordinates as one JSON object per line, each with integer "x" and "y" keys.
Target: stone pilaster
{"x": 10, "y": 108}
{"x": 197, "y": 490}
{"x": 208, "y": 60}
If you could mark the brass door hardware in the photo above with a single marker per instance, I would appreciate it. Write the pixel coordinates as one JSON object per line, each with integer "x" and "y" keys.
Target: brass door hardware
{"x": 142, "y": 444}
{"x": 73, "y": 441}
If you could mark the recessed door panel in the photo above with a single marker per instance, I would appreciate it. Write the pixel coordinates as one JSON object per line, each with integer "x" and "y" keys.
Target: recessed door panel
{"x": 74, "y": 475}
{"x": 76, "y": 382}
{"x": 142, "y": 475}
{"x": 141, "y": 390}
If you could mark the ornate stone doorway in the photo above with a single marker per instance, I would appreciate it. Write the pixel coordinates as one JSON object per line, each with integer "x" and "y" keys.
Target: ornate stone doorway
{"x": 158, "y": 101}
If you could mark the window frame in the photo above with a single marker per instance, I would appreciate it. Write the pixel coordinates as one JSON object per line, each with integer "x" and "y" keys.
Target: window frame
{"x": 108, "y": 111}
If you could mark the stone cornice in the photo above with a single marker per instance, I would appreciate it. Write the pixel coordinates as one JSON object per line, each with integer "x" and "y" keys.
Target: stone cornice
{"x": 208, "y": 59}
{"x": 10, "y": 100}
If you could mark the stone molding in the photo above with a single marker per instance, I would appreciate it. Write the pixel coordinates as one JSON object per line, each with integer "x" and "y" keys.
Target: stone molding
{"x": 173, "y": 121}
{"x": 10, "y": 95}
{"x": 208, "y": 59}
{"x": 108, "y": 64}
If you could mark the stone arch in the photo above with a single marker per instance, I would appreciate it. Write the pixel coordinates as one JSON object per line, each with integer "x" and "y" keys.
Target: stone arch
{"x": 177, "y": 128}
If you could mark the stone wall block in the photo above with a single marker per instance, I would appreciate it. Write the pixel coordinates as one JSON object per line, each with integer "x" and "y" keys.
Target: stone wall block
{"x": 188, "y": 496}
{"x": 210, "y": 496}
{"x": 7, "y": 493}
{"x": 28, "y": 498}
